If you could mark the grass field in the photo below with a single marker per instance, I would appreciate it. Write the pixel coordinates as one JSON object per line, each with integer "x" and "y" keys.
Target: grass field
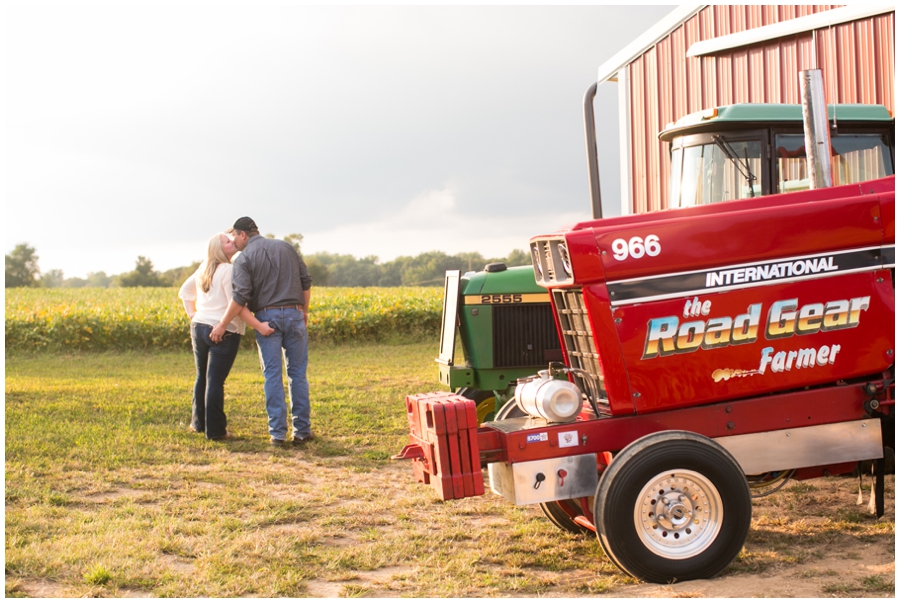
{"x": 109, "y": 494}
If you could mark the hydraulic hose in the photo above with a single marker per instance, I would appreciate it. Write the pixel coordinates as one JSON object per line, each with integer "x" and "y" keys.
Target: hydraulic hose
{"x": 593, "y": 395}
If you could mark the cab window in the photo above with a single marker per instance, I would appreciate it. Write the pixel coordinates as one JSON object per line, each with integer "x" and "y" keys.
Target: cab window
{"x": 854, "y": 158}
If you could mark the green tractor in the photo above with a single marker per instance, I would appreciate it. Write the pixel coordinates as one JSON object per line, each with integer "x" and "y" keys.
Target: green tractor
{"x": 506, "y": 329}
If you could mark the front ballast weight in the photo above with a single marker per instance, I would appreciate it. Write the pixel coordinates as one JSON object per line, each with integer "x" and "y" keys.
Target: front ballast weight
{"x": 444, "y": 444}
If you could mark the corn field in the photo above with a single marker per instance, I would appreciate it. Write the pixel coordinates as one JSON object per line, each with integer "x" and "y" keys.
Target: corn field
{"x": 153, "y": 318}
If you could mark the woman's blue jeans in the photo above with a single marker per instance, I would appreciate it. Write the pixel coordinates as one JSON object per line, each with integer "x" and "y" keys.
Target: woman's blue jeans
{"x": 213, "y": 362}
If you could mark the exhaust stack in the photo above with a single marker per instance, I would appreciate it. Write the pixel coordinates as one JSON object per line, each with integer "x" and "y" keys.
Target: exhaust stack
{"x": 590, "y": 134}
{"x": 816, "y": 132}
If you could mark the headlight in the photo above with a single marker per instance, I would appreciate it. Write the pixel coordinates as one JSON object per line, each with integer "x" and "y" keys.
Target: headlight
{"x": 564, "y": 257}
{"x": 536, "y": 260}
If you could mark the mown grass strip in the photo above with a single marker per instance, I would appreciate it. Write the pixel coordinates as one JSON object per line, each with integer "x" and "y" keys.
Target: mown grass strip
{"x": 153, "y": 318}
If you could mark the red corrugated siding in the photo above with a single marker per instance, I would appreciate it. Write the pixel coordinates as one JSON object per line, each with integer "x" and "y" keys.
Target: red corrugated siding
{"x": 667, "y": 108}
{"x": 652, "y": 124}
{"x": 884, "y": 61}
{"x": 857, "y": 60}
{"x": 678, "y": 50}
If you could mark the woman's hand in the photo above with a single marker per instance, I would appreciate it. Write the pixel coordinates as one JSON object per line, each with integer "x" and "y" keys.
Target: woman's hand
{"x": 264, "y": 329}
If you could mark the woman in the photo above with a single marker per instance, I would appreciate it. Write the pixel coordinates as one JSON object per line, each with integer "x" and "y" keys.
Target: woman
{"x": 205, "y": 295}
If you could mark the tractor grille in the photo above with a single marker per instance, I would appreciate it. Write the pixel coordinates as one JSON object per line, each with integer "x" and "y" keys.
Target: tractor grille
{"x": 577, "y": 335}
{"x": 525, "y": 336}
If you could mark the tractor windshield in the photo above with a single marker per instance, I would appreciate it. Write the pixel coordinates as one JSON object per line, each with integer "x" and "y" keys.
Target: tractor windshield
{"x": 716, "y": 170}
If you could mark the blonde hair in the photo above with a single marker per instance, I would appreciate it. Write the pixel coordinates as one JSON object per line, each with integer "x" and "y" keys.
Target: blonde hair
{"x": 215, "y": 255}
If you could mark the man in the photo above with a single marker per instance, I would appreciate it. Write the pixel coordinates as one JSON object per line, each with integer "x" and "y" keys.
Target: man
{"x": 274, "y": 283}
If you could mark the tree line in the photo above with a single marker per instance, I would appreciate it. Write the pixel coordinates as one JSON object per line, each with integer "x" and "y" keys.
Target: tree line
{"x": 326, "y": 269}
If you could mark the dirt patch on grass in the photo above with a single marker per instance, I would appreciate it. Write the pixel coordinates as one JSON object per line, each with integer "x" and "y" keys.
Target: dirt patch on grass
{"x": 814, "y": 579}
{"x": 38, "y": 588}
{"x": 119, "y": 493}
{"x": 324, "y": 590}
{"x": 41, "y": 589}
{"x": 375, "y": 583}
{"x": 179, "y": 566}
{"x": 130, "y": 593}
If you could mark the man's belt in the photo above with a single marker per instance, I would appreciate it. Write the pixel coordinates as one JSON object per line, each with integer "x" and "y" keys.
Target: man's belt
{"x": 292, "y": 306}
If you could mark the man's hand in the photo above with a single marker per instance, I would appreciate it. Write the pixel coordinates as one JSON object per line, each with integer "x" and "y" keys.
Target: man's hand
{"x": 218, "y": 333}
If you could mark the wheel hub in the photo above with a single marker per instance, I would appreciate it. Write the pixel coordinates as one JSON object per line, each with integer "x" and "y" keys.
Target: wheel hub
{"x": 678, "y": 513}
{"x": 675, "y": 514}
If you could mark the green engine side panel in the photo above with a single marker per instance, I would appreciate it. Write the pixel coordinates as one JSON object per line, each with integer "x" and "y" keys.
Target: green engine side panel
{"x": 476, "y": 335}
{"x": 456, "y": 377}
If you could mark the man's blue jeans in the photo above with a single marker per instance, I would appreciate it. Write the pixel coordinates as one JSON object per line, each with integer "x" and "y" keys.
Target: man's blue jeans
{"x": 290, "y": 341}
{"x": 213, "y": 362}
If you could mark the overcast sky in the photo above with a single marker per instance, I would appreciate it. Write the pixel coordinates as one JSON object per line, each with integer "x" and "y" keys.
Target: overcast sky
{"x": 143, "y": 128}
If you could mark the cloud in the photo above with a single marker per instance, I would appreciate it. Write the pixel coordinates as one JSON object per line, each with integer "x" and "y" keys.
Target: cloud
{"x": 432, "y": 221}
{"x": 370, "y": 130}
{"x": 421, "y": 211}
{"x": 117, "y": 258}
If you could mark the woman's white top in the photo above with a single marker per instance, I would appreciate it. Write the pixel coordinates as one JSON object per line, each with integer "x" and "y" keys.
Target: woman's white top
{"x": 211, "y": 305}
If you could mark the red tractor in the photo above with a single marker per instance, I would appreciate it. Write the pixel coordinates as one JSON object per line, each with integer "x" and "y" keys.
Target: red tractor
{"x": 712, "y": 351}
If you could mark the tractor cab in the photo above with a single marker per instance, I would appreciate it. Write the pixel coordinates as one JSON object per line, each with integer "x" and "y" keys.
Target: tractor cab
{"x": 750, "y": 150}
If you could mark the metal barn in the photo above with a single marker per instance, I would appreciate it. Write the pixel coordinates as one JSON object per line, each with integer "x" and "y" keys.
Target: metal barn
{"x": 704, "y": 56}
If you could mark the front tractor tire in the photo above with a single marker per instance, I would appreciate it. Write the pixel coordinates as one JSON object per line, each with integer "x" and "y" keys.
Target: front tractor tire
{"x": 485, "y": 402}
{"x": 562, "y": 514}
{"x": 672, "y": 506}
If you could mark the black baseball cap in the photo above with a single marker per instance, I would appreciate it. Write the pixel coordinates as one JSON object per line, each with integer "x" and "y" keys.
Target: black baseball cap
{"x": 246, "y": 224}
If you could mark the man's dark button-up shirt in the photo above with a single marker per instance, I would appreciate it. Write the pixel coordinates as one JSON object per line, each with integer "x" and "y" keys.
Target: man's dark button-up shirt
{"x": 268, "y": 272}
